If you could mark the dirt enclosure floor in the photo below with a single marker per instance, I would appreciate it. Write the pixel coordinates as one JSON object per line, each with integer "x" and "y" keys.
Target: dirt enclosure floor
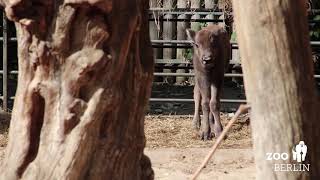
{"x": 176, "y": 151}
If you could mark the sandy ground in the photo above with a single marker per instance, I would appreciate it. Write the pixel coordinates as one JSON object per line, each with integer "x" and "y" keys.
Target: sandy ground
{"x": 179, "y": 164}
{"x": 176, "y": 151}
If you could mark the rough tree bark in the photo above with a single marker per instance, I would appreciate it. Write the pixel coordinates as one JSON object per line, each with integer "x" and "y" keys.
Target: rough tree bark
{"x": 85, "y": 72}
{"x": 278, "y": 76}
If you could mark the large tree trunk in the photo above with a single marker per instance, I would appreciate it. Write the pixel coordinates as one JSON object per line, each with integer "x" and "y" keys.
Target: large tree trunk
{"x": 85, "y": 72}
{"x": 278, "y": 76}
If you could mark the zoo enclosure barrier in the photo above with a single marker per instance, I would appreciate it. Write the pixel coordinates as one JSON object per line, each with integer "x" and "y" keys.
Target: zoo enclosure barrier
{"x": 192, "y": 17}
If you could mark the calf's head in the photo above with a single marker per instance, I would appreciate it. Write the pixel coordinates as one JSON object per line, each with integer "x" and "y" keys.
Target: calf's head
{"x": 206, "y": 46}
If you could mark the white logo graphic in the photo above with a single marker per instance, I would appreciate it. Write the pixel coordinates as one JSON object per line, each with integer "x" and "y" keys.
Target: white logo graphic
{"x": 300, "y": 152}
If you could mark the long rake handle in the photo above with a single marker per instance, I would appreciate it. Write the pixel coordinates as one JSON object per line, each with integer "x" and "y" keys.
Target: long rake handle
{"x": 242, "y": 109}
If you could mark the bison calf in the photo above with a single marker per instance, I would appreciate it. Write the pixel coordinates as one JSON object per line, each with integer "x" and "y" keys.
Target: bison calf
{"x": 210, "y": 58}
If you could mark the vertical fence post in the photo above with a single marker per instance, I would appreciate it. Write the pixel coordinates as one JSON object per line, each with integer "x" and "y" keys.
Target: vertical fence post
{"x": 315, "y": 4}
{"x": 209, "y": 4}
{"x": 195, "y": 4}
{"x": 181, "y": 35}
{"x": 154, "y": 30}
{"x": 4, "y": 63}
{"x": 168, "y": 34}
{"x": 226, "y": 6}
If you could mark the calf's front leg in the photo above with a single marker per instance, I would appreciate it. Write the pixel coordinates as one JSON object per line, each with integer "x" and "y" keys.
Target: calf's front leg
{"x": 205, "y": 132}
{"x": 197, "y": 100}
{"x": 205, "y": 129}
{"x": 215, "y": 126}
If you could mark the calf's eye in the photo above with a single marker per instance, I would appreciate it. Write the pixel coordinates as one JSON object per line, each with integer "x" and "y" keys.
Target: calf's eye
{"x": 195, "y": 44}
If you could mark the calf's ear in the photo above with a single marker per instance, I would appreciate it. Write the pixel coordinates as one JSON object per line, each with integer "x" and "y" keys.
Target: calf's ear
{"x": 191, "y": 34}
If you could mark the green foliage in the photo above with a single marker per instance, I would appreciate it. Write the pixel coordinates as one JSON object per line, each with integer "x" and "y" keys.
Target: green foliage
{"x": 188, "y": 54}
{"x": 203, "y": 24}
{"x": 317, "y": 18}
{"x": 315, "y": 35}
{"x": 315, "y": 30}
{"x": 233, "y": 37}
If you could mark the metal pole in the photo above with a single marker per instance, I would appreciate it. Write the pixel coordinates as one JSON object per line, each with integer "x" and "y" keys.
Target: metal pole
{"x": 4, "y": 62}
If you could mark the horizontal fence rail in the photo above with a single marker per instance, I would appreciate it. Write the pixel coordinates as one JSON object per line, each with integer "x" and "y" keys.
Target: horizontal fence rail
{"x": 312, "y": 43}
{"x": 202, "y": 20}
{"x": 12, "y": 39}
{"x": 184, "y": 10}
{"x": 188, "y": 20}
{"x": 195, "y": 10}
{"x": 9, "y": 72}
{"x": 172, "y": 61}
{"x": 191, "y": 100}
{"x": 174, "y": 12}
{"x": 185, "y": 44}
{"x": 11, "y": 98}
{"x": 178, "y": 74}
{"x": 192, "y": 74}
{"x": 177, "y": 100}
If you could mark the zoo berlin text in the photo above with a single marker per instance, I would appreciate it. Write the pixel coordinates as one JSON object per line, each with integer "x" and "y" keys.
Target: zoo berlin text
{"x": 299, "y": 153}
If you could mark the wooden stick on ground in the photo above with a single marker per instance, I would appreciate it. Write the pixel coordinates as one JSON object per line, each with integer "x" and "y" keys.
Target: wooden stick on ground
{"x": 242, "y": 109}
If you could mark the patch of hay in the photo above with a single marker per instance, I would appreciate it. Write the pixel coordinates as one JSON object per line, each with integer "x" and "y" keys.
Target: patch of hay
{"x": 177, "y": 132}
{"x": 4, "y": 128}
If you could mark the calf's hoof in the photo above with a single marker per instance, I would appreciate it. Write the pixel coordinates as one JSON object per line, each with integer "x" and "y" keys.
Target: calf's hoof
{"x": 205, "y": 136}
{"x": 217, "y": 131}
{"x": 196, "y": 123}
